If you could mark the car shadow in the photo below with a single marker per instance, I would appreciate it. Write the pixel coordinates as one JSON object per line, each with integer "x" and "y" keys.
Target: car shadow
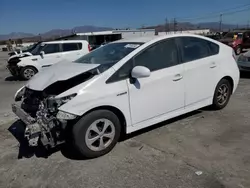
{"x": 159, "y": 125}
{"x": 25, "y": 151}
{"x": 244, "y": 74}
{"x": 13, "y": 78}
{"x": 67, "y": 150}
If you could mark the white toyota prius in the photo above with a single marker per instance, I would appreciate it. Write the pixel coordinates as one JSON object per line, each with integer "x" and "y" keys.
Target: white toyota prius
{"x": 122, "y": 87}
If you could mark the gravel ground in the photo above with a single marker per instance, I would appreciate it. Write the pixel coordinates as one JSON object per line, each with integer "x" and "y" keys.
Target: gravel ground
{"x": 165, "y": 155}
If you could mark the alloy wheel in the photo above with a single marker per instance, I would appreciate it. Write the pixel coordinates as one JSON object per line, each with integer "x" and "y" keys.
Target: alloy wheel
{"x": 28, "y": 73}
{"x": 100, "y": 134}
{"x": 223, "y": 94}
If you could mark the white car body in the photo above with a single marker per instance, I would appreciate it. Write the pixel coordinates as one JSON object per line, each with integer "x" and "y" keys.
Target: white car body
{"x": 39, "y": 62}
{"x": 166, "y": 93}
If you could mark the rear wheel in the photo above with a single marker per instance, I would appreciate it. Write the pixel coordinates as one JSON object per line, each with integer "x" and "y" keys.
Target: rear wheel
{"x": 28, "y": 72}
{"x": 96, "y": 133}
{"x": 222, "y": 94}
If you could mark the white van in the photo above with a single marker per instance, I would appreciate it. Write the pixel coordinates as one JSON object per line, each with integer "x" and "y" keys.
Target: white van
{"x": 45, "y": 55}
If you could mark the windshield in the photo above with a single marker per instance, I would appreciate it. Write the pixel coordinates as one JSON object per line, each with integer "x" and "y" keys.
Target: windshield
{"x": 31, "y": 47}
{"x": 109, "y": 54}
{"x": 232, "y": 35}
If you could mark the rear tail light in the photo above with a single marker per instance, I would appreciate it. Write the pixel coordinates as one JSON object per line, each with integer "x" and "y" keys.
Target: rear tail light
{"x": 89, "y": 47}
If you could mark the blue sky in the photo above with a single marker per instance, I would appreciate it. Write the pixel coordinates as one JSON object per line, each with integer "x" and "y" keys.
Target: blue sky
{"x": 35, "y": 16}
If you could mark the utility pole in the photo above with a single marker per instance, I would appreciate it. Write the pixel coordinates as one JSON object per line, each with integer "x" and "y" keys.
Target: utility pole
{"x": 166, "y": 25}
{"x": 175, "y": 25}
{"x": 220, "y": 22}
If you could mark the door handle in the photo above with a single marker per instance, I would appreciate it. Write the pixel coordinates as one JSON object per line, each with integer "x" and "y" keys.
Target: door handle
{"x": 213, "y": 65}
{"x": 177, "y": 77}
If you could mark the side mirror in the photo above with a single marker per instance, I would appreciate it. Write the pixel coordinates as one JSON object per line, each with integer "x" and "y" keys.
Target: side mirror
{"x": 42, "y": 54}
{"x": 140, "y": 72}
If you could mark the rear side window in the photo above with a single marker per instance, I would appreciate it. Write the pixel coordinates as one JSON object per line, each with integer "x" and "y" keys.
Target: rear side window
{"x": 79, "y": 46}
{"x": 70, "y": 47}
{"x": 214, "y": 48}
{"x": 51, "y": 48}
{"x": 193, "y": 48}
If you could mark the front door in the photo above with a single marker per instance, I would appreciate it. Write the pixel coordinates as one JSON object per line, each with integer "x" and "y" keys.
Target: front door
{"x": 52, "y": 54}
{"x": 163, "y": 91}
{"x": 201, "y": 68}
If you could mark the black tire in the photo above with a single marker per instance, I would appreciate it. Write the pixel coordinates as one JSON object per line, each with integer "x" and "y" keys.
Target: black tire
{"x": 27, "y": 68}
{"x": 238, "y": 50}
{"x": 81, "y": 127}
{"x": 217, "y": 103}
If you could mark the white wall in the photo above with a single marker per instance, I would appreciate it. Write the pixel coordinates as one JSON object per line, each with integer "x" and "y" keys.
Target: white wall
{"x": 137, "y": 34}
{"x": 24, "y": 45}
{"x": 200, "y": 31}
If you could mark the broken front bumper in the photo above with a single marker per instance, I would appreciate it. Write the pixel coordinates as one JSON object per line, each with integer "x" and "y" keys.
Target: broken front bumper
{"x": 33, "y": 129}
{"x": 13, "y": 69}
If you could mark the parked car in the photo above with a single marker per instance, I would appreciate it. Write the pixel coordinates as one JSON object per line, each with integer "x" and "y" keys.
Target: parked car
{"x": 244, "y": 62}
{"x": 46, "y": 54}
{"x": 123, "y": 87}
{"x": 238, "y": 40}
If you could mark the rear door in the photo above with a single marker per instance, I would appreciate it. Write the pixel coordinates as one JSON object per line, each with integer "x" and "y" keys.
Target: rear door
{"x": 72, "y": 51}
{"x": 201, "y": 69}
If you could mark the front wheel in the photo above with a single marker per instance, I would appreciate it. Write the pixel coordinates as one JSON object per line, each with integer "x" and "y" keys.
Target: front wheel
{"x": 28, "y": 72}
{"x": 222, "y": 94}
{"x": 238, "y": 50}
{"x": 96, "y": 133}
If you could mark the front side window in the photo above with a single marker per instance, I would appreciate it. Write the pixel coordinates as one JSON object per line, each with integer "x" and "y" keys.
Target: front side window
{"x": 214, "y": 48}
{"x": 37, "y": 49}
{"x": 51, "y": 48}
{"x": 158, "y": 56}
{"x": 69, "y": 47}
{"x": 193, "y": 48}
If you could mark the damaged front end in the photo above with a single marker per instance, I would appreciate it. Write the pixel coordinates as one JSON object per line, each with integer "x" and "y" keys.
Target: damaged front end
{"x": 44, "y": 123}
{"x": 39, "y": 110}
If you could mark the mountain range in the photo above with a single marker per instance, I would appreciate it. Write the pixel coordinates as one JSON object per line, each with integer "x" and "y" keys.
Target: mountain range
{"x": 55, "y": 32}
{"x": 90, "y": 28}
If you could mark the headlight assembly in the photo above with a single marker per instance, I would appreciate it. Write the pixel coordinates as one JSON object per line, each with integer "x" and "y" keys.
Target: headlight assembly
{"x": 65, "y": 115}
{"x": 19, "y": 94}
{"x": 67, "y": 98}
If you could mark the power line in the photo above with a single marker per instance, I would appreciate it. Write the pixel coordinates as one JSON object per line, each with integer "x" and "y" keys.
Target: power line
{"x": 225, "y": 12}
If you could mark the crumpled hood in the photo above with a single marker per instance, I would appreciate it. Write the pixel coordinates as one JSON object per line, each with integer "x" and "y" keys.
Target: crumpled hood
{"x": 60, "y": 71}
{"x": 20, "y": 55}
